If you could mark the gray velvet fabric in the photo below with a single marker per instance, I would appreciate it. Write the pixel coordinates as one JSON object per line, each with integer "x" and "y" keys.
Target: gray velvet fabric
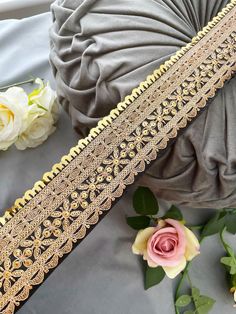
{"x": 102, "y": 49}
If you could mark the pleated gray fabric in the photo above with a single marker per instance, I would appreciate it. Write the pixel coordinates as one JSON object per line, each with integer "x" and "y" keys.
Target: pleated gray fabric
{"x": 101, "y": 50}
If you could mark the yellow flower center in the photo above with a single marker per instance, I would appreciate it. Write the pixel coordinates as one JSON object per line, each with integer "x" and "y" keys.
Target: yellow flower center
{"x": 92, "y": 186}
{"x": 66, "y": 214}
{"x": 7, "y": 274}
{"x": 6, "y": 115}
{"x": 37, "y": 242}
{"x": 159, "y": 118}
{"x": 116, "y": 161}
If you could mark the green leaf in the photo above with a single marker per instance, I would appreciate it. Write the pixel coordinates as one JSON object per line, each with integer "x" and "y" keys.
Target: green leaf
{"x": 231, "y": 223}
{"x": 183, "y": 300}
{"x": 138, "y": 222}
{"x": 233, "y": 270}
{"x": 173, "y": 213}
{"x": 145, "y": 202}
{"x": 153, "y": 276}
{"x": 204, "y": 304}
{"x": 214, "y": 225}
{"x": 229, "y": 261}
{"x": 189, "y": 312}
{"x": 195, "y": 293}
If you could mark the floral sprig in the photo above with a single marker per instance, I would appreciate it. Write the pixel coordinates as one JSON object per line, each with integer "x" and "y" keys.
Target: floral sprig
{"x": 168, "y": 246}
{"x": 27, "y": 120}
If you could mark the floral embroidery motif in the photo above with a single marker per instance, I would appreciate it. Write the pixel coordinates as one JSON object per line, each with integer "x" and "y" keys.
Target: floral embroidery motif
{"x": 64, "y": 216}
{"x": 138, "y": 139}
{"x": 92, "y": 187}
{"x": 22, "y": 257}
{"x": 8, "y": 274}
{"x": 179, "y": 97}
{"x": 197, "y": 78}
{"x": 37, "y": 242}
{"x": 212, "y": 64}
{"x": 116, "y": 161}
{"x": 161, "y": 115}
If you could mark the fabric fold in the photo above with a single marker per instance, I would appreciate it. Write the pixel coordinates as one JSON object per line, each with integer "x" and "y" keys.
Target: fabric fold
{"x": 102, "y": 49}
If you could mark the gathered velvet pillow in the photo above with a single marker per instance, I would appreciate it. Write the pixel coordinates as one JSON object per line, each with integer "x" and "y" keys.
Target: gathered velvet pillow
{"x": 101, "y": 50}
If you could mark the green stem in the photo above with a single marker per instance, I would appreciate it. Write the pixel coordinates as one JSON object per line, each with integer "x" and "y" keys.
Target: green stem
{"x": 189, "y": 280}
{"x": 225, "y": 245}
{"x": 184, "y": 275}
{"x": 17, "y": 84}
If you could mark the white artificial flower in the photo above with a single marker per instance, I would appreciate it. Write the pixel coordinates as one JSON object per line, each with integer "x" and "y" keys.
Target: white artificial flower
{"x": 13, "y": 115}
{"x": 40, "y": 126}
{"x": 45, "y": 98}
{"x": 27, "y": 120}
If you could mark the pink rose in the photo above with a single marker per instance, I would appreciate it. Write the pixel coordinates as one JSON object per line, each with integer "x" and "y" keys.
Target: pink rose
{"x": 169, "y": 245}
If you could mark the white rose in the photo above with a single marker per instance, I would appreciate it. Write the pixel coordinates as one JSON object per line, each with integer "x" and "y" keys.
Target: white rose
{"x": 13, "y": 115}
{"x": 40, "y": 126}
{"x": 45, "y": 98}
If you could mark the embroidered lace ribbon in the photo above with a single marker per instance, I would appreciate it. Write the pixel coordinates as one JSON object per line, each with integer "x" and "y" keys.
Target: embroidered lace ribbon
{"x": 53, "y": 217}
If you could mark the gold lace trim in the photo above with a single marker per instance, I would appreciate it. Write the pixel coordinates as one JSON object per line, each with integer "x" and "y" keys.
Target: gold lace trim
{"x": 58, "y": 212}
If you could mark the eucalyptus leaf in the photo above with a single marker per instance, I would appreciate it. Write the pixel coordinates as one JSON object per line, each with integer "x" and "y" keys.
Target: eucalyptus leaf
{"x": 183, "y": 300}
{"x": 204, "y": 304}
{"x": 173, "y": 213}
{"x": 153, "y": 276}
{"x": 214, "y": 225}
{"x": 195, "y": 293}
{"x": 145, "y": 202}
{"x": 138, "y": 222}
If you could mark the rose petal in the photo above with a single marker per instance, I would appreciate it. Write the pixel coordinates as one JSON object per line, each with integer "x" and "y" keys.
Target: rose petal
{"x": 161, "y": 241}
{"x": 149, "y": 261}
{"x": 140, "y": 243}
{"x": 172, "y": 272}
{"x": 165, "y": 230}
{"x": 14, "y": 109}
{"x": 192, "y": 245}
{"x": 181, "y": 234}
{"x": 168, "y": 259}
{"x": 17, "y": 95}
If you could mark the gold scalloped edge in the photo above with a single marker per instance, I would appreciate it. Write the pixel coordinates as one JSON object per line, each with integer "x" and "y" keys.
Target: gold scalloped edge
{"x": 114, "y": 113}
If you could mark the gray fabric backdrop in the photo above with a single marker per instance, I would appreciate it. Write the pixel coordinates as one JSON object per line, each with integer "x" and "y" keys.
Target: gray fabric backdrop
{"x": 101, "y": 276}
{"x": 102, "y": 49}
